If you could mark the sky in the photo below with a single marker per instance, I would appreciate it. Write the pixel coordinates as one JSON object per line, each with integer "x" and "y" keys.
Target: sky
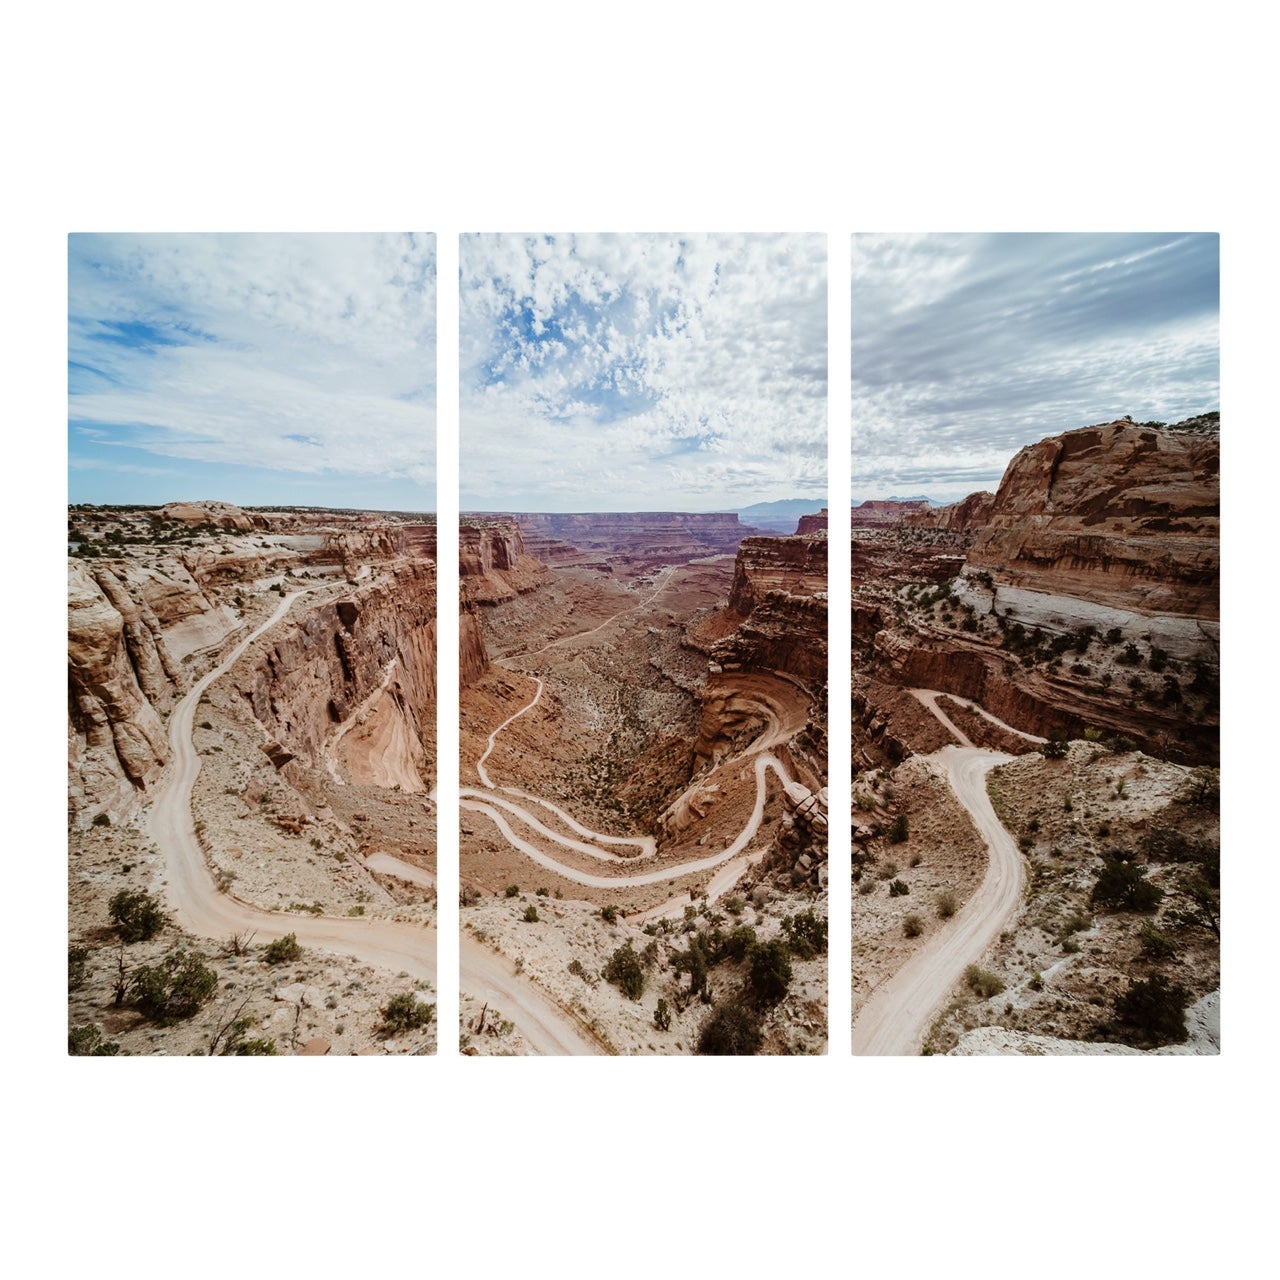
{"x": 642, "y": 372}
{"x": 266, "y": 370}
{"x": 967, "y": 347}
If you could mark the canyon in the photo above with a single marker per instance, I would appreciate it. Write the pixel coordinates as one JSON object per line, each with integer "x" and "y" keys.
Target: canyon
{"x": 1066, "y": 630}
{"x": 643, "y": 741}
{"x": 251, "y": 748}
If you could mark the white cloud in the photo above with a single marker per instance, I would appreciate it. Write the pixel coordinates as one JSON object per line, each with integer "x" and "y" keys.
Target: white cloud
{"x": 299, "y": 353}
{"x": 642, "y": 370}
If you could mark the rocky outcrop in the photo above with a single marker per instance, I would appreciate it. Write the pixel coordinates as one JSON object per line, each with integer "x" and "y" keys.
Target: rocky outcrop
{"x": 779, "y": 595}
{"x": 473, "y": 657}
{"x": 117, "y": 665}
{"x": 812, "y": 524}
{"x": 966, "y": 516}
{"x": 1121, "y": 515}
{"x": 222, "y": 514}
{"x": 875, "y": 513}
{"x": 493, "y": 564}
{"x": 376, "y": 544}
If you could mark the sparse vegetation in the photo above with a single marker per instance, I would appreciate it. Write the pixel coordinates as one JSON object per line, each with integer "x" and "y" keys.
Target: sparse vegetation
{"x": 982, "y": 982}
{"x": 730, "y": 1029}
{"x": 1154, "y": 1011}
{"x": 137, "y": 915}
{"x": 405, "y": 1012}
{"x": 912, "y": 926}
{"x": 625, "y": 971}
{"x": 283, "y": 950}
{"x": 173, "y": 988}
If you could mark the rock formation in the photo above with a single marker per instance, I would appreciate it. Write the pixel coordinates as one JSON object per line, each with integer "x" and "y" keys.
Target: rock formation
{"x": 643, "y": 537}
{"x": 878, "y": 512}
{"x": 812, "y": 524}
{"x": 116, "y": 664}
{"x": 966, "y": 516}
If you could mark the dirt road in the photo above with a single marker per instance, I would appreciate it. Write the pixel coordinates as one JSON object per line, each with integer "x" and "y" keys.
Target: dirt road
{"x": 898, "y": 1013}
{"x": 200, "y": 908}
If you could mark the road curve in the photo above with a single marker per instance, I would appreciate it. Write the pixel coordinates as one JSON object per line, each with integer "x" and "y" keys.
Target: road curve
{"x": 898, "y": 1013}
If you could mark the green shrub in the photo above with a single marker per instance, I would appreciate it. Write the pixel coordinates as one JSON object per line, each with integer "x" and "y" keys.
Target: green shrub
{"x": 625, "y": 971}
{"x": 770, "y": 972}
{"x": 730, "y": 1030}
{"x": 173, "y": 988}
{"x": 87, "y": 1042}
{"x": 1122, "y": 885}
{"x": 1155, "y": 944}
{"x": 531, "y": 914}
{"x": 946, "y": 904}
{"x": 735, "y": 905}
{"x": 512, "y": 890}
{"x": 913, "y": 926}
{"x": 258, "y": 1048}
{"x": 1154, "y": 1010}
{"x": 609, "y": 914}
{"x": 138, "y": 915}
{"x": 982, "y": 982}
{"x": 898, "y": 887}
{"x": 77, "y": 967}
{"x": 102, "y": 820}
{"x": 283, "y": 950}
{"x": 662, "y": 1016}
{"x": 899, "y": 831}
{"x": 1055, "y": 748}
{"x": 405, "y": 1012}
{"x": 806, "y": 934}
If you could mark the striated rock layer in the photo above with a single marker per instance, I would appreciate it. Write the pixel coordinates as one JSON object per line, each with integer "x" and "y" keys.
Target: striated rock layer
{"x": 308, "y": 675}
{"x": 1123, "y": 516}
{"x": 966, "y": 516}
{"x": 643, "y": 537}
{"x": 779, "y": 598}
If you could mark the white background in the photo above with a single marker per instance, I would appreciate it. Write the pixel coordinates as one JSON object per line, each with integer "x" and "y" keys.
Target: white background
{"x": 804, "y": 117}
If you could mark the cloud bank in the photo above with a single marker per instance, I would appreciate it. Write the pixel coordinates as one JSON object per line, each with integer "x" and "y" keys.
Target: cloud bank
{"x": 276, "y": 366}
{"x": 968, "y": 347}
{"x": 642, "y": 371}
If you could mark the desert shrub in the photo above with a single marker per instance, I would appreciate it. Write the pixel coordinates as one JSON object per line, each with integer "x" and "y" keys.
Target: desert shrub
{"x": 102, "y": 820}
{"x": 173, "y": 988}
{"x": 695, "y": 963}
{"x": 77, "y": 967}
{"x": 283, "y": 950}
{"x": 946, "y": 904}
{"x": 866, "y": 885}
{"x": 468, "y": 895}
{"x": 138, "y": 915}
{"x": 770, "y": 972}
{"x": 531, "y": 914}
{"x": 1130, "y": 656}
{"x": 1202, "y": 788}
{"x": 1122, "y": 885}
{"x": 625, "y": 971}
{"x": 87, "y": 1042}
{"x": 578, "y": 970}
{"x": 913, "y": 926}
{"x": 806, "y": 934}
{"x": 982, "y": 982}
{"x": 662, "y": 1016}
{"x": 898, "y": 887}
{"x": 543, "y": 892}
{"x": 734, "y": 905}
{"x": 512, "y": 890}
{"x": 405, "y": 1012}
{"x": 1154, "y": 1010}
{"x": 899, "y": 831}
{"x": 730, "y": 1030}
{"x": 1155, "y": 944}
{"x": 609, "y": 914}
{"x": 256, "y": 1048}
{"x": 739, "y": 944}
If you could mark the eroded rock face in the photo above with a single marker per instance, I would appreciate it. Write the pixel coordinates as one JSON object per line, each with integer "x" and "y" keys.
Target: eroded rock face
{"x": 967, "y": 516}
{"x": 308, "y": 676}
{"x": 493, "y": 564}
{"x": 812, "y": 524}
{"x": 780, "y": 596}
{"x": 223, "y": 514}
{"x": 116, "y": 663}
{"x": 1124, "y": 516}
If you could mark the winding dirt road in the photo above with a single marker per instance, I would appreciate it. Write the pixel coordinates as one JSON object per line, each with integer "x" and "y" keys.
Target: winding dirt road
{"x": 897, "y": 1015}
{"x": 202, "y": 909}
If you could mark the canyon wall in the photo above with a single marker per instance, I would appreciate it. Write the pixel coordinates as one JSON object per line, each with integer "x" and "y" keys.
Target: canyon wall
{"x": 1121, "y": 515}
{"x": 493, "y": 566}
{"x": 119, "y": 672}
{"x": 643, "y": 537}
{"x": 966, "y": 516}
{"x": 812, "y": 524}
{"x": 875, "y": 513}
{"x": 310, "y": 673}
{"x": 779, "y": 598}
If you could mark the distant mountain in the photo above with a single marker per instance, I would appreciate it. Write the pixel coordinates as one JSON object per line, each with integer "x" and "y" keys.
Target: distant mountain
{"x": 918, "y": 497}
{"x": 780, "y": 512}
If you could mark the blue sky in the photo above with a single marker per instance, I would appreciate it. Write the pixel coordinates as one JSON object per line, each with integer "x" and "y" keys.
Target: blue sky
{"x": 967, "y": 347}
{"x": 269, "y": 369}
{"x": 642, "y": 372}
